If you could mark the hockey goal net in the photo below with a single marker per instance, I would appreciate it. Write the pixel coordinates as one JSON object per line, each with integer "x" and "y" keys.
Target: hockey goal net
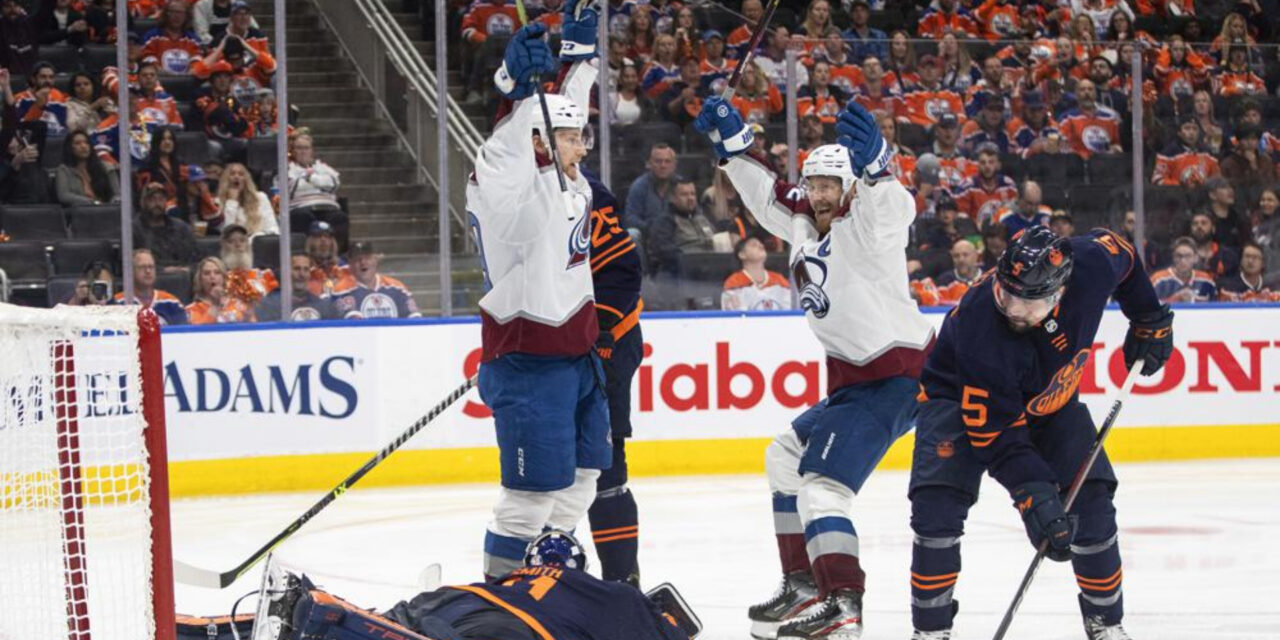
{"x": 84, "y": 516}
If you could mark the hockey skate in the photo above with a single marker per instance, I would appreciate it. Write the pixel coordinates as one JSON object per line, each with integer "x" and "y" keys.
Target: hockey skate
{"x": 941, "y": 634}
{"x": 277, "y": 596}
{"x": 838, "y": 617}
{"x": 795, "y": 595}
{"x": 1096, "y": 629}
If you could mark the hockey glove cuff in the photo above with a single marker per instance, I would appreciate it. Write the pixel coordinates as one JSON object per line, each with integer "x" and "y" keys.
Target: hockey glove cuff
{"x": 578, "y": 37}
{"x": 1150, "y": 339}
{"x": 722, "y": 123}
{"x": 1045, "y": 519}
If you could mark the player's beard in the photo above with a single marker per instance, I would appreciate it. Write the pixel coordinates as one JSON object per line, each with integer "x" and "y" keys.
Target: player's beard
{"x": 237, "y": 259}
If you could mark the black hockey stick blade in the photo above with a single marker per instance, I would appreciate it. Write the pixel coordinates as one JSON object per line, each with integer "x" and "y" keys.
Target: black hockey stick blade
{"x": 195, "y": 576}
{"x": 1094, "y": 452}
{"x": 749, "y": 50}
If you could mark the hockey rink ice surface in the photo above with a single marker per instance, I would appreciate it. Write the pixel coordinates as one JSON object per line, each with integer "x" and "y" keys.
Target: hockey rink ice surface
{"x": 1199, "y": 541}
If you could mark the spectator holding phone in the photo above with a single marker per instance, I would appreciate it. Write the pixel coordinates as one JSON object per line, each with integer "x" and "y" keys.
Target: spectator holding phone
{"x": 22, "y": 180}
{"x": 95, "y": 287}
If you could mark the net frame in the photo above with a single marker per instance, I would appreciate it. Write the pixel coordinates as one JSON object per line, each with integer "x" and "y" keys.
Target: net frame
{"x": 66, "y": 326}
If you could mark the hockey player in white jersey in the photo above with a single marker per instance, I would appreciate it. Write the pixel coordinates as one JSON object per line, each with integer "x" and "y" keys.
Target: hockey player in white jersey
{"x": 539, "y": 373}
{"x": 847, "y": 223}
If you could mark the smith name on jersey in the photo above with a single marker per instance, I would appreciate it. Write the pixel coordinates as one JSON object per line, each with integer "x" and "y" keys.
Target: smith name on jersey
{"x": 853, "y": 280}
{"x": 1005, "y": 381}
{"x": 534, "y": 241}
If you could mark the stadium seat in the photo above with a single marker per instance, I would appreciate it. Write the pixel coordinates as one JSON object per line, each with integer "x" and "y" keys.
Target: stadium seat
{"x": 207, "y": 247}
{"x": 1108, "y": 169}
{"x": 62, "y": 82}
{"x": 1059, "y": 169}
{"x": 193, "y": 147}
{"x": 18, "y": 83}
{"x": 59, "y": 289}
{"x": 695, "y": 166}
{"x": 192, "y": 118}
{"x": 1012, "y": 165}
{"x": 262, "y": 154}
{"x": 24, "y": 262}
{"x": 913, "y": 136}
{"x": 51, "y": 153}
{"x": 64, "y": 57}
{"x": 96, "y": 57}
{"x": 1054, "y": 194}
{"x": 1093, "y": 205}
{"x": 1153, "y": 25}
{"x": 37, "y": 223}
{"x": 70, "y": 257}
{"x": 266, "y": 252}
{"x": 176, "y": 282}
{"x": 183, "y": 88}
{"x": 102, "y": 221}
{"x": 641, "y": 136}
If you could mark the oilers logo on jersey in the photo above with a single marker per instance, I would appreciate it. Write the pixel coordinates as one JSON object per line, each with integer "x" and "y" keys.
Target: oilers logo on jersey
{"x": 811, "y": 274}
{"x": 1061, "y": 388}
{"x": 1096, "y": 139}
{"x": 378, "y": 305}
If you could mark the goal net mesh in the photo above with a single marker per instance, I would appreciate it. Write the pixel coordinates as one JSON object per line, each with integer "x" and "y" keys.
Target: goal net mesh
{"x": 75, "y": 528}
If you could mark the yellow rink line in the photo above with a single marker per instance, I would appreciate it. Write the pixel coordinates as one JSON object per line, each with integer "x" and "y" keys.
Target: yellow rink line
{"x": 652, "y": 458}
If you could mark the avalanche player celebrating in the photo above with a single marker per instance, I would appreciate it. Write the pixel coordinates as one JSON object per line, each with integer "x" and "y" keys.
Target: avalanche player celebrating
{"x": 999, "y": 394}
{"x": 848, "y": 225}
{"x": 539, "y": 374}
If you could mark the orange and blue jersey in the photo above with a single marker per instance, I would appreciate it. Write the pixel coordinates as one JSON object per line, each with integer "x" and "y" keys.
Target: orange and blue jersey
{"x": 1014, "y": 222}
{"x": 232, "y": 310}
{"x": 901, "y": 81}
{"x": 53, "y": 113}
{"x": 954, "y": 170}
{"x": 389, "y": 298}
{"x": 759, "y": 108}
{"x": 999, "y": 20}
{"x": 936, "y": 23}
{"x": 1237, "y": 289}
{"x": 1005, "y": 381}
{"x": 1229, "y": 84}
{"x": 715, "y": 77}
{"x": 973, "y": 138}
{"x": 160, "y": 108}
{"x": 484, "y": 19}
{"x": 1172, "y": 288}
{"x": 847, "y": 76}
{"x": 175, "y": 53}
{"x": 951, "y": 286}
{"x": 106, "y": 139}
{"x": 925, "y": 106}
{"x": 1022, "y": 134}
{"x": 826, "y": 107}
{"x": 886, "y": 101}
{"x": 1091, "y": 133}
{"x": 166, "y": 305}
{"x": 616, "y": 273}
{"x": 657, "y": 79}
{"x": 1180, "y": 165}
{"x": 981, "y": 203}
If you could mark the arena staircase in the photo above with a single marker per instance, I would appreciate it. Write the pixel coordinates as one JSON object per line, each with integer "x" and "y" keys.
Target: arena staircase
{"x": 387, "y": 205}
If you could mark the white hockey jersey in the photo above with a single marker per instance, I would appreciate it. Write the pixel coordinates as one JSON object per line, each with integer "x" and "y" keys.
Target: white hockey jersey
{"x": 852, "y": 281}
{"x": 534, "y": 240}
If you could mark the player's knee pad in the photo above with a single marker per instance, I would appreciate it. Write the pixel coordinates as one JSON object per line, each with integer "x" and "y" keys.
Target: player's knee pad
{"x": 782, "y": 463}
{"x": 571, "y": 503}
{"x": 939, "y": 512}
{"x": 522, "y": 514}
{"x": 1096, "y": 523}
{"x": 822, "y": 497}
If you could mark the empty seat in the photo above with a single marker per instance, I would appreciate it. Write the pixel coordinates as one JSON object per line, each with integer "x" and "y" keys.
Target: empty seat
{"x": 59, "y": 289}
{"x": 1013, "y": 166}
{"x": 192, "y": 118}
{"x": 72, "y": 256}
{"x": 913, "y": 136}
{"x": 64, "y": 57}
{"x": 51, "y": 153}
{"x": 1110, "y": 169}
{"x": 183, "y": 88}
{"x": 101, "y": 221}
{"x": 643, "y": 135}
{"x": 1061, "y": 168}
{"x": 96, "y": 57}
{"x": 176, "y": 282}
{"x": 262, "y": 154}
{"x": 1092, "y": 205}
{"x": 24, "y": 261}
{"x": 193, "y": 147}
{"x": 38, "y": 222}
{"x": 206, "y": 247}
{"x": 266, "y": 252}
{"x": 694, "y": 166}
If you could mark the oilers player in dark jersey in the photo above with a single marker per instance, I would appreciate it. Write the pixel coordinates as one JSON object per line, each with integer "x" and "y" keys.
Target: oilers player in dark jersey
{"x": 552, "y": 597}
{"x": 999, "y": 394}
{"x": 616, "y": 275}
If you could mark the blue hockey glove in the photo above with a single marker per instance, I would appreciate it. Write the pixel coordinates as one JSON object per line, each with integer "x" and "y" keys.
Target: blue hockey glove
{"x": 527, "y": 56}
{"x": 1150, "y": 339}
{"x": 858, "y": 131}
{"x": 723, "y": 124}
{"x": 578, "y": 37}
{"x": 1045, "y": 519}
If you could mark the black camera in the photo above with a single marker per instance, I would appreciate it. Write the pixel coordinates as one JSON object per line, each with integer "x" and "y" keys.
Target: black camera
{"x": 100, "y": 290}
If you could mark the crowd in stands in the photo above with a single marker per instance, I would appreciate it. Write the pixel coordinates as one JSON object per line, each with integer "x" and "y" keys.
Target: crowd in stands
{"x": 206, "y": 220}
{"x": 1003, "y": 113}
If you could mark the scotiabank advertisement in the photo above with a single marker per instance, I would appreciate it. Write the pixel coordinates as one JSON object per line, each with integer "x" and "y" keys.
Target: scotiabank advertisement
{"x": 341, "y": 388}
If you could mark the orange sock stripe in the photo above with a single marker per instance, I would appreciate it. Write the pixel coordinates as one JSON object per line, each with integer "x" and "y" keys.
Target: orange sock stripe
{"x": 931, "y": 587}
{"x": 1104, "y": 584}
{"x": 941, "y": 576}
{"x": 1080, "y": 578}
{"x": 624, "y": 536}
{"x": 605, "y": 532}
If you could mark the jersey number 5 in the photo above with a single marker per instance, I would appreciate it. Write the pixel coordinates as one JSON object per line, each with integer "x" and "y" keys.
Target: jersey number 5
{"x": 972, "y": 410}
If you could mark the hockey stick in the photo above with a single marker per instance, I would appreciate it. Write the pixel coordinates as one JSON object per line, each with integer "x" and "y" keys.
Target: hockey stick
{"x": 195, "y": 576}
{"x": 546, "y": 113}
{"x": 1094, "y": 452}
{"x": 749, "y": 51}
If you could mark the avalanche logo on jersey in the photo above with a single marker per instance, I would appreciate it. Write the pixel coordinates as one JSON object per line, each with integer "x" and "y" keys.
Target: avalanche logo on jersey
{"x": 1061, "y": 388}
{"x": 811, "y": 274}
{"x": 580, "y": 243}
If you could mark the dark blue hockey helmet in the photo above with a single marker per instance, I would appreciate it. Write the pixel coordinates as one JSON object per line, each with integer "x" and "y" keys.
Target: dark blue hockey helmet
{"x": 555, "y": 549}
{"x": 1035, "y": 264}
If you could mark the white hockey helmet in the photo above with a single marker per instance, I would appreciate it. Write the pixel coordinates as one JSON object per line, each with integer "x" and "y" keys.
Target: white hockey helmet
{"x": 565, "y": 114}
{"x": 831, "y": 161}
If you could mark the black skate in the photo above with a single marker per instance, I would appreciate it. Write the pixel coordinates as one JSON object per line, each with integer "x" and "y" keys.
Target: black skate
{"x": 1096, "y": 629}
{"x": 839, "y": 617}
{"x": 277, "y": 597}
{"x": 795, "y": 595}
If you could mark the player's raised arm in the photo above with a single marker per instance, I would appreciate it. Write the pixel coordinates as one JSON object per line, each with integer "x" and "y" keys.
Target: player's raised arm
{"x": 1150, "y": 335}
{"x": 883, "y": 211}
{"x": 506, "y": 166}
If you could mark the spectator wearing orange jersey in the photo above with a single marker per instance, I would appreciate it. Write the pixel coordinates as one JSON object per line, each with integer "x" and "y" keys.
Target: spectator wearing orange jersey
{"x": 486, "y": 26}
{"x": 41, "y": 101}
{"x": 929, "y": 101}
{"x": 155, "y": 103}
{"x": 1028, "y": 133}
{"x": 251, "y": 70}
{"x": 773, "y": 59}
{"x": 1028, "y": 211}
{"x": 865, "y": 41}
{"x": 999, "y": 19}
{"x": 965, "y": 272}
{"x": 1249, "y": 285}
{"x": 873, "y": 93}
{"x": 953, "y": 167}
{"x": 752, "y": 10}
{"x": 946, "y": 16}
{"x": 757, "y": 99}
{"x": 845, "y": 73}
{"x": 1179, "y": 70}
{"x": 551, "y": 17}
{"x": 683, "y": 99}
{"x": 1237, "y": 78}
{"x": 211, "y": 302}
{"x": 753, "y": 287}
{"x": 1090, "y": 128}
{"x": 714, "y": 68}
{"x": 988, "y": 128}
{"x": 981, "y": 196}
{"x": 820, "y": 97}
{"x": 172, "y": 42}
{"x": 1184, "y": 162}
{"x": 1182, "y": 282}
{"x": 900, "y": 65}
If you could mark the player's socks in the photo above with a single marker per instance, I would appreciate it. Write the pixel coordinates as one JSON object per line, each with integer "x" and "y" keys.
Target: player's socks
{"x": 502, "y": 554}
{"x": 615, "y": 530}
{"x": 832, "y": 545}
{"x": 1099, "y": 575}
{"x": 935, "y": 568}
{"x": 790, "y": 532}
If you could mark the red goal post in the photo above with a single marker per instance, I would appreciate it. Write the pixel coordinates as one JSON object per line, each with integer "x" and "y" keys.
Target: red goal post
{"x": 85, "y": 548}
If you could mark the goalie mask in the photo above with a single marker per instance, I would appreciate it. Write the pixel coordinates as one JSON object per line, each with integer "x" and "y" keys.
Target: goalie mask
{"x": 565, "y": 114}
{"x": 555, "y": 549}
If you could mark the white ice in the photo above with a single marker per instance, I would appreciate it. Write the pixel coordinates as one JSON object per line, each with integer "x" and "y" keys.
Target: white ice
{"x": 1199, "y": 543}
